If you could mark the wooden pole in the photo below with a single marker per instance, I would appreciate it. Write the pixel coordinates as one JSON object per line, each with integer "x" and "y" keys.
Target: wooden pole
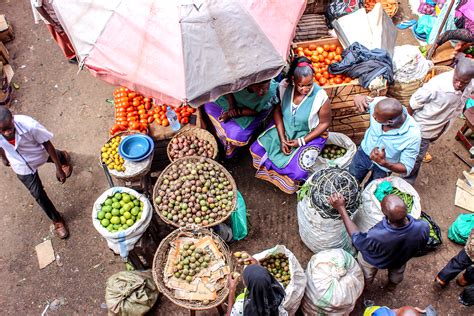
{"x": 443, "y": 23}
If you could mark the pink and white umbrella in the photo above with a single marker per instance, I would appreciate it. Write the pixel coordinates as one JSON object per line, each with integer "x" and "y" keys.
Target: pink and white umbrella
{"x": 181, "y": 50}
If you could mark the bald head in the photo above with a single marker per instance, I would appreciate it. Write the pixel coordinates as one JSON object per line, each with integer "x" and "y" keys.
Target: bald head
{"x": 394, "y": 208}
{"x": 388, "y": 109}
{"x": 463, "y": 72}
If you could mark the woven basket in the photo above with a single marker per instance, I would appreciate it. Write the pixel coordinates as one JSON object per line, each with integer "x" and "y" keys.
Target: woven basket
{"x": 436, "y": 70}
{"x": 403, "y": 91}
{"x": 389, "y": 6}
{"x": 161, "y": 256}
{"x": 192, "y": 160}
{"x": 134, "y": 176}
{"x": 200, "y": 133}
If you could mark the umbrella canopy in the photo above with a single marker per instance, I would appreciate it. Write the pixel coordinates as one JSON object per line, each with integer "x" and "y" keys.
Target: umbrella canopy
{"x": 177, "y": 50}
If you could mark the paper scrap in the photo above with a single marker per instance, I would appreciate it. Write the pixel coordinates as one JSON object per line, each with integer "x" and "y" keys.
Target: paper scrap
{"x": 45, "y": 253}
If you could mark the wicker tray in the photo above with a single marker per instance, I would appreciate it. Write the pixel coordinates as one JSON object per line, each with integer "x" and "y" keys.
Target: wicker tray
{"x": 145, "y": 165}
{"x": 192, "y": 160}
{"x": 190, "y": 130}
{"x": 161, "y": 256}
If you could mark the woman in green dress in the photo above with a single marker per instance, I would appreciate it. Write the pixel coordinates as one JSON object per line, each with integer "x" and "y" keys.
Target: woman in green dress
{"x": 236, "y": 116}
{"x": 287, "y": 150}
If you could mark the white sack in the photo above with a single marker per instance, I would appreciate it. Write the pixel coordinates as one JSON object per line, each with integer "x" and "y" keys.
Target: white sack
{"x": 295, "y": 289}
{"x": 370, "y": 213}
{"x": 340, "y": 140}
{"x": 123, "y": 241}
{"x": 335, "y": 282}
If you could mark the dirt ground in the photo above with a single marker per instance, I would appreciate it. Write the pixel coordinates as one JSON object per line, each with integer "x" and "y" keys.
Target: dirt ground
{"x": 72, "y": 106}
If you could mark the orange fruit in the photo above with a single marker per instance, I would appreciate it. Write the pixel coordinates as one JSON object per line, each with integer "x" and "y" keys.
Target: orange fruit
{"x": 312, "y": 47}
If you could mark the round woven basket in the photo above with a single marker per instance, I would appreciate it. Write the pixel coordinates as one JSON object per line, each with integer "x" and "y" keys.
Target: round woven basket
{"x": 436, "y": 70}
{"x": 129, "y": 177}
{"x": 194, "y": 159}
{"x": 389, "y": 6}
{"x": 161, "y": 256}
{"x": 200, "y": 133}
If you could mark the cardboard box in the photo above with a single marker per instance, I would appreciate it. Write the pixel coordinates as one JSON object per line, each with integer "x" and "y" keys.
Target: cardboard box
{"x": 345, "y": 117}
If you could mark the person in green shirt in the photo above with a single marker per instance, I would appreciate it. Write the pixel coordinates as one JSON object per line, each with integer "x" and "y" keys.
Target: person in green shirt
{"x": 236, "y": 116}
{"x": 285, "y": 153}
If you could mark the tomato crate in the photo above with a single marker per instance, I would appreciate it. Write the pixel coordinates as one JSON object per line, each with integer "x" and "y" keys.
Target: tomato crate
{"x": 316, "y": 6}
{"x": 345, "y": 117}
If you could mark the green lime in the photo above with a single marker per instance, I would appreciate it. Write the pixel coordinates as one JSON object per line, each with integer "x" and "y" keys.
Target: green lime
{"x": 126, "y": 197}
{"x": 115, "y": 212}
{"x": 119, "y": 229}
{"x": 114, "y": 200}
{"x": 127, "y": 207}
{"x": 108, "y": 201}
{"x": 132, "y": 197}
{"x": 118, "y": 196}
{"x": 135, "y": 211}
{"x": 136, "y": 202}
{"x": 106, "y": 208}
{"x": 134, "y": 218}
{"x": 116, "y": 205}
{"x": 108, "y": 215}
{"x": 122, "y": 211}
{"x": 141, "y": 204}
{"x": 130, "y": 222}
{"x": 123, "y": 220}
{"x": 124, "y": 226}
{"x": 139, "y": 216}
{"x": 110, "y": 228}
{"x": 115, "y": 220}
{"x": 127, "y": 215}
{"x": 117, "y": 226}
{"x": 105, "y": 222}
{"x": 122, "y": 203}
{"x": 100, "y": 214}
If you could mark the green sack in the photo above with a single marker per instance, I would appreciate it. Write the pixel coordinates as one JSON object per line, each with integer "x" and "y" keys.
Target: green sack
{"x": 461, "y": 228}
{"x": 130, "y": 293}
{"x": 238, "y": 219}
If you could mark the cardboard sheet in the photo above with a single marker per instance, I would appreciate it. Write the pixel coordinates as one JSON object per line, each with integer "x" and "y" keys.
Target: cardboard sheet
{"x": 45, "y": 253}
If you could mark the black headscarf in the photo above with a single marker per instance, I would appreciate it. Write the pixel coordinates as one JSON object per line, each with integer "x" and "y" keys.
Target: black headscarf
{"x": 264, "y": 293}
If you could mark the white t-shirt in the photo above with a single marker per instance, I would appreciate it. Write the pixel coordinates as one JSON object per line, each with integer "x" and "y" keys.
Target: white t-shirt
{"x": 28, "y": 154}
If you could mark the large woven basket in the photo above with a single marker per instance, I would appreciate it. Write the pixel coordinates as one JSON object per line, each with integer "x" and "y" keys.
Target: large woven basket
{"x": 161, "y": 256}
{"x": 200, "y": 133}
{"x": 436, "y": 70}
{"x": 193, "y": 159}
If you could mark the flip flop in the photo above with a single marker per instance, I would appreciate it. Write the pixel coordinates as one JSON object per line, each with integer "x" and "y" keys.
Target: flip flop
{"x": 428, "y": 158}
{"x": 406, "y": 24}
{"x": 67, "y": 168}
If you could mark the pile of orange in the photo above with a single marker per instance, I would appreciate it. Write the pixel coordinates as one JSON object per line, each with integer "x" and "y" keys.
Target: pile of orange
{"x": 183, "y": 113}
{"x": 133, "y": 111}
{"x": 321, "y": 57}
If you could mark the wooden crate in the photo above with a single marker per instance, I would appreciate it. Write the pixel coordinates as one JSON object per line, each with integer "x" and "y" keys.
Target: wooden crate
{"x": 6, "y": 30}
{"x": 316, "y": 6}
{"x": 345, "y": 117}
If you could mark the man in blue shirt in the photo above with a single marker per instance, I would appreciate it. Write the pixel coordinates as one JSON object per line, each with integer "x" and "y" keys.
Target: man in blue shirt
{"x": 390, "y": 243}
{"x": 392, "y": 142}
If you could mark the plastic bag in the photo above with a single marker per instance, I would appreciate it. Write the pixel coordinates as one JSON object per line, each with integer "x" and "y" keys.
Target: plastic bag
{"x": 461, "y": 228}
{"x": 340, "y": 140}
{"x": 295, "y": 289}
{"x": 338, "y": 8}
{"x": 238, "y": 219}
{"x": 335, "y": 282}
{"x": 130, "y": 293}
{"x": 370, "y": 212}
{"x": 435, "y": 239}
{"x": 424, "y": 26}
{"x": 123, "y": 241}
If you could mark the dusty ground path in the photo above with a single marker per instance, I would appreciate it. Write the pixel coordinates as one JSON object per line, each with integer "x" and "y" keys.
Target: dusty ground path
{"x": 72, "y": 106}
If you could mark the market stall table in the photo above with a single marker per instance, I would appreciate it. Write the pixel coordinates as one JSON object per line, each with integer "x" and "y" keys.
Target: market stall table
{"x": 468, "y": 126}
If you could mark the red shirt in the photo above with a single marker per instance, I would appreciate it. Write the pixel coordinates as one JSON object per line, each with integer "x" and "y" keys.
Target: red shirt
{"x": 12, "y": 141}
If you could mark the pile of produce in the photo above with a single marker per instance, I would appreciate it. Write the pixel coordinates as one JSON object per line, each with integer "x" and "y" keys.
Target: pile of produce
{"x": 195, "y": 191}
{"x": 407, "y": 198}
{"x": 110, "y": 155}
{"x": 190, "y": 145}
{"x": 321, "y": 57}
{"x": 119, "y": 212}
{"x": 195, "y": 269}
{"x": 469, "y": 51}
{"x": 278, "y": 266}
{"x": 333, "y": 152}
{"x": 389, "y": 6}
{"x": 133, "y": 111}
{"x": 190, "y": 262}
{"x": 183, "y": 113}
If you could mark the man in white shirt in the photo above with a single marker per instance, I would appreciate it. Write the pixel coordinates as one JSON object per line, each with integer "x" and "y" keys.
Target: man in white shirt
{"x": 25, "y": 145}
{"x": 439, "y": 102}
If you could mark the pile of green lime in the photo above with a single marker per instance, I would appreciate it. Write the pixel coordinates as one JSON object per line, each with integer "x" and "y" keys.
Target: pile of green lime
{"x": 333, "y": 152}
{"x": 120, "y": 211}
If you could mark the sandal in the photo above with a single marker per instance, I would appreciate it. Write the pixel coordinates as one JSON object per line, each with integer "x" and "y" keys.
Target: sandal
{"x": 428, "y": 158}
{"x": 67, "y": 168}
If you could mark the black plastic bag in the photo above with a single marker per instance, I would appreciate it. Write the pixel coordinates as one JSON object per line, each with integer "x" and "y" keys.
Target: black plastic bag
{"x": 467, "y": 296}
{"x": 435, "y": 239}
{"x": 339, "y": 8}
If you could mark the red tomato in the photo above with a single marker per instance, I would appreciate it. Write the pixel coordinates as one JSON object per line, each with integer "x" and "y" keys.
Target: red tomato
{"x": 150, "y": 119}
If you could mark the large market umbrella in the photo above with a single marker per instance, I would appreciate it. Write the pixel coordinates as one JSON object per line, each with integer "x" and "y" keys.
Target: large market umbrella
{"x": 176, "y": 50}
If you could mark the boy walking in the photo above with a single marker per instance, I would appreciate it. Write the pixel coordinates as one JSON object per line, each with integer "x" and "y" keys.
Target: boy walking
{"x": 25, "y": 145}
